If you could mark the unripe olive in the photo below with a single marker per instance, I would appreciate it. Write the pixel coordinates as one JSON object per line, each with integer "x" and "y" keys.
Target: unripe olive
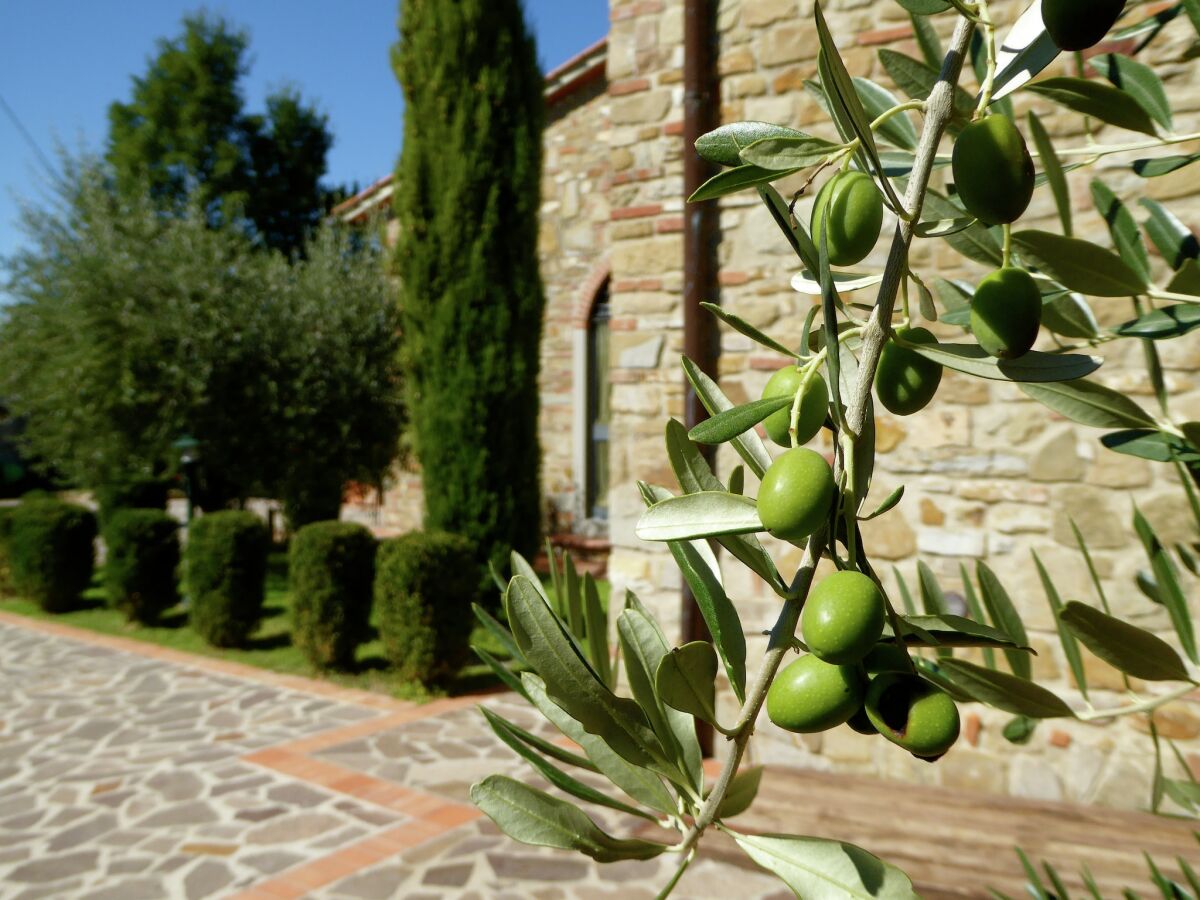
{"x": 813, "y": 406}
{"x": 855, "y": 209}
{"x": 843, "y": 618}
{"x": 794, "y": 498}
{"x": 906, "y": 381}
{"x": 1006, "y": 313}
{"x": 1079, "y": 24}
{"x": 810, "y": 695}
{"x": 887, "y": 658}
{"x": 913, "y": 714}
{"x": 861, "y": 723}
{"x": 993, "y": 170}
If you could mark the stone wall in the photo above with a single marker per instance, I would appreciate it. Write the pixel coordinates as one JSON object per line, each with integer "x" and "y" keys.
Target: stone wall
{"x": 990, "y": 475}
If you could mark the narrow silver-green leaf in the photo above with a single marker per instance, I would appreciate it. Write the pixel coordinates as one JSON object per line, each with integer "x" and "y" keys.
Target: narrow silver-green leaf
{"x": 1089, "y": 403}
{"x": 1004, "y": 614}
{"x": 644, "y": 646}
{"x": 818, "y": 869}
{"x": 534, "y": 817}
{"x": 1069, "y": 644}
{"x": 976, "y": 610}
{"x": 917, "y": 79}
{"x": 791, "y": 227}
{"x": 888, "y": 503}
{"x": 1173, "y": 239}
{"x": 725, "y": 144}
{"x": 749, "y": 446}
{"x": 641, "y": 784}
{"x": 501, "y": 671}
{"x": 1168, "y": 584}
{"x": 974, "y": 242}
{"x": 731, "y": 423}
{"x": 1003, "y": 691}
{"x": 1126, "y": 647}
{"x": 731, "y": 181}
{"x": 898, "y": 129}
{"x": 686, "y": 680}
{"x": 742, "y": 791}
{"x": 1100, "y": 101}
{"x": 498, "y": 631}
{"x": 1163, "y": 165}
{"x": 928, "y": 41}
{"x": 1139, "y": 82}
{"x": 700, "y": 515}
{"x": 1034, "y": 366}
{"x": 948, "y": 630}
{"x": 574, "y": 598}
{"x": 718, "y": 611}
{"x": 1053, "y": 169}
{"x": 514, "y": 737}
{"x": 1079, "y": 265}
{"x": 1126, "y": 235}
{"x": 572, "y": 683}
{"x": 737, "y": 323}
{"x": 789, "y": 153}
{"x": 596, "y": 625}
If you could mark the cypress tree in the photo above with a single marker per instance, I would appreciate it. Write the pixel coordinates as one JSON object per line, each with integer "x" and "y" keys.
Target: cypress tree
{"x": 467, "y": 198}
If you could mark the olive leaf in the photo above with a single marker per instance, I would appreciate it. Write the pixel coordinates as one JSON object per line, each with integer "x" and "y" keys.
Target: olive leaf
{"x": 1163, "y": 165}
{"x": 819, "y": 869}
{"x": 731, "y": 423}
{"x": 1168, "y": 322}
{"x": 733, "y": 180}
{"x": 1069, "y": 644}
{"x": 749, "y": 446}
{"x": 1126, "y": 647}
{"x": 917, "y": 79}
{"x": 1124, "y": 230}
{"x": 534, "y": 817}
{"x": 947, "y": 630}
{"x": 1089, "y": 403}
{"x": 1004, "y": 691}
{"x": 1004, "y": 613}
{"x": 1027, "y": 49}
{"x": 743, "y": 788}
{"x": 515, "y": 738}
{"x": 1157, "y": 446}
{"x": 1139, "y": 82}
{"x": 789, "y": 153}
{"x": 1100, "y": 101}
{"x": 700, "y": 515}
{"x": 724, "y": 145}
{"x": 1053, "y": 169}
{"x": 1173, "y": 239}
{"x": 737, "y": 323}
{"x": 1079, "y": 265}
{"x": 686, "y": 680}
{"x": 1168, "y": 583}
{"x": 1034, "y": 366}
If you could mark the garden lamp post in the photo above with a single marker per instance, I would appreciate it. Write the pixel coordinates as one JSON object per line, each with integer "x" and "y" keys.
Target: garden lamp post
{"x": 188, "y": 449}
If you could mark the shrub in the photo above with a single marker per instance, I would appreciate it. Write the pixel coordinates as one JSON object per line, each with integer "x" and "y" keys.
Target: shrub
{"x": 143, "y": 555}
{"x": 331, "y": 567}
{"x": 6, "y": 517}
{"x": 52, "y": 552}
{"x": 226, "y": 575}
{"x": 133, "y": 492}
{"x": 425, "y": 583}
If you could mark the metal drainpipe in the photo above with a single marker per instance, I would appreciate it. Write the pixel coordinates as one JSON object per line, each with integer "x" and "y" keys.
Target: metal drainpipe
{"x": 701, "y": 114}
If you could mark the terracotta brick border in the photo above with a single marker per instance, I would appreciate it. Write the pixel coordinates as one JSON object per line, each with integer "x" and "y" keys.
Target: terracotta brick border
{"x": 429, "y": 815}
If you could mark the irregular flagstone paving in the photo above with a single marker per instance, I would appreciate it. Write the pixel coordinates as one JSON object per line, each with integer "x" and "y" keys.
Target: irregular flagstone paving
{"x": 128, "y": 771}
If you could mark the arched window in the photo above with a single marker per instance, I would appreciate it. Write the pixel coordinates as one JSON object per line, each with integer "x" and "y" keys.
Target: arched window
{"x": 598, "y": 408}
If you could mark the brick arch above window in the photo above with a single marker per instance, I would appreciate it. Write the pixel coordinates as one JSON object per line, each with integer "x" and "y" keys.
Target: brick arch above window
{"x": 589, "y": 292}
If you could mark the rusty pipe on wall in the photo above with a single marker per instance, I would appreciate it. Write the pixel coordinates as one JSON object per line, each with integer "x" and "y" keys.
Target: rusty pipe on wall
{"x": 701, "y": 114}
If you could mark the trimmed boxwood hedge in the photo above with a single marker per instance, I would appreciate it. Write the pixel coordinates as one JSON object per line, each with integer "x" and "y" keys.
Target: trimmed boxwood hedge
{"x": 331, "y": 566}
{"x": 134, "y": 492}
{"x": 52, "y": 552}
{"x": 226, "y": 565}
{"x": 140, "y": 569}
{"x": 425, "y": 583}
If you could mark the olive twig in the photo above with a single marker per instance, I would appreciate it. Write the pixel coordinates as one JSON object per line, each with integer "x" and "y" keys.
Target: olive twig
{"x": 1006, "y": 254}
{"x": 1148, "y": 704}
{"x": 989, "y": 77}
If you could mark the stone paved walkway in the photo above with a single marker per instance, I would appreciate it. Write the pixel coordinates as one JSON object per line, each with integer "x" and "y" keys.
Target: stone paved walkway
{"x": 129, "y": 771}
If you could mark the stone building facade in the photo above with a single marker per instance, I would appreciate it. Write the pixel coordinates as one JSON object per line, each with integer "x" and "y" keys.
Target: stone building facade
{"x": 989, "y": 474}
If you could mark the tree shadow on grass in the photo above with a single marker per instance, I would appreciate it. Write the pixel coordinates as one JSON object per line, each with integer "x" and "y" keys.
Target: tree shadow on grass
{"x": 270, "y": 641}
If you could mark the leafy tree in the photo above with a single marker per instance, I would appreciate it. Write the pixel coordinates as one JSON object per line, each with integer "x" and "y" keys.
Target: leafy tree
{"x": 467, "y": 188}
{"x": 186, "y": 134}
{"x": 130, "y": 328}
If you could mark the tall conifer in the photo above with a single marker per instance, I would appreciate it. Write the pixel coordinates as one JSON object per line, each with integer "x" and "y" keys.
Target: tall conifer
{"x": 467, "y": 198}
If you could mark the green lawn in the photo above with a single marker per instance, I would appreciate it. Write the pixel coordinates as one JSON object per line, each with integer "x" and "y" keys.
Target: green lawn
{"x": 271, "y": 647}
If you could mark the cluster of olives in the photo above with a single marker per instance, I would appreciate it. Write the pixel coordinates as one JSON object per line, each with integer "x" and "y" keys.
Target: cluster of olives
{"x": 849, "y": 677}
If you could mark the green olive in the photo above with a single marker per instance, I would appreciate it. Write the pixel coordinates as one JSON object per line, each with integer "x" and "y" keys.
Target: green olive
{"x": 813, "y": 406}
{"x": 810, "y": 695}
{"x": 913, "y": 714}
{"x": 993, "y": 170}
{"x": 887, "y": 658}
{"x": 843, "y": 618}
{"x": 796, "y": 491}
{"x": 1006, "y": 313}
{"x": 855, "y": 210}
{"x": 1079, "y": 24}
{"x": 906, "y": 381}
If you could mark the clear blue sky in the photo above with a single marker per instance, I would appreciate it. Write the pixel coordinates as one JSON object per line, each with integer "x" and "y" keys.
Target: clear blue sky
{"x": 63, "y": 61}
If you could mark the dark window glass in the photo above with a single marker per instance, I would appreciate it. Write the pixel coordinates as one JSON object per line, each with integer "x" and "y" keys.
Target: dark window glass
{"x": 596, "y": 506}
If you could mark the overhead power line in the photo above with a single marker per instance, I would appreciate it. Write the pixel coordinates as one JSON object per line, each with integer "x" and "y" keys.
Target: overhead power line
{"x": 33, "y": 144}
